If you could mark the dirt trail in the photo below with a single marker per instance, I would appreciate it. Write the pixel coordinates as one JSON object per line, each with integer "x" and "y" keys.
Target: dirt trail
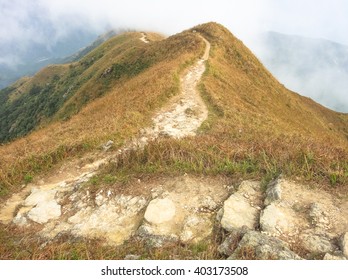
{"x": 185, "y": 115}
{"x": 181, "y": 118}
{"x": 144, "y": 38}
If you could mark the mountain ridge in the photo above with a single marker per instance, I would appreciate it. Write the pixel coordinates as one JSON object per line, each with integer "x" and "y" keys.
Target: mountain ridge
{"x": 255, "y": 130}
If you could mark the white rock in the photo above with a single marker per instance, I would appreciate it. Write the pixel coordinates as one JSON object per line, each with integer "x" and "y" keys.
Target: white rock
{"x": 116, "y": 220}
{"x": 38, "y": 196}
{"x": 20, "y": 218}
{"x": 273, "y": 220}
{"x": 45, "y": 211}
{"x": 160, "y": 211}
{"x": 237, "y": 212}
{"x": 108, "y": 145}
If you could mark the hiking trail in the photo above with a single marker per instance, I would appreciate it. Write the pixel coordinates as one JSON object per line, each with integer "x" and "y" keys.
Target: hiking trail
{"x": 39, "y": 201}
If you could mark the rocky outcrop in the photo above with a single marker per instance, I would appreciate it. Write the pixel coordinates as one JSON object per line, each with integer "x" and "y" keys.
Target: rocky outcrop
{"x": 256, "y": 245}
{"x": 40, "y": 206}
{"x": 113, "y": 218}
{"x": 182, "y": 211}
{"x": 257, "y": 224}
{"x": 317, "y": 244}
{"x": 275, "y": 220}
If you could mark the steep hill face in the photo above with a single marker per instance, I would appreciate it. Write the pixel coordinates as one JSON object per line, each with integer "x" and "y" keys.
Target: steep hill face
{"x": 166, "y": 146}
{"x": 36, "y": 101}
{"x": 257, "y": 101}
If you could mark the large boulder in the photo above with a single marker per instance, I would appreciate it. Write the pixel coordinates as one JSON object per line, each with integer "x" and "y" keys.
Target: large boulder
{"x": 317, "y": 244}
{"x": 275, "y": 220}
{"x": 239, "y": 209}
{"x": 256, "y": 245}
{"x": 237, "y": 212}
{"x": 160, "y": 211}
{"x": 45, "y": 211}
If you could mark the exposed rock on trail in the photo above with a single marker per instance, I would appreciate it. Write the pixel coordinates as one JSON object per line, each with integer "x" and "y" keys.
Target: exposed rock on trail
{"x": 188, "y": 209}
{"x": 144, "y": 38}
{"x": 263, "y": 247}
{"x": 185, "y": 211}
{"x": 185, "y": 115}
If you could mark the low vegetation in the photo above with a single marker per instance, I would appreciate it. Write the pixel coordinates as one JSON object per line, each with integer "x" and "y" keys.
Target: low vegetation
{"x": 73, "y": 131}
{"x": 81, "y": 249}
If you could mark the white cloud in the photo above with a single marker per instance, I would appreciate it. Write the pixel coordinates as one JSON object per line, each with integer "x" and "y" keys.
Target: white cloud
{"x": 22, "y": 21}
{"x": 320, "y": 18}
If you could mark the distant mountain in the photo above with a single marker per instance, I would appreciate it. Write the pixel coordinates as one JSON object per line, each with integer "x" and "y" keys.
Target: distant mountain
{"x": 18, "y": 61}
{"x": 313, "y": 67}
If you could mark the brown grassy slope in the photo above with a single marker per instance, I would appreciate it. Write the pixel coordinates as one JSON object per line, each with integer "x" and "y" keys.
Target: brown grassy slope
{"x": 250, "y": 96}
{"x": 256, "y": 127}
{"x": 261, "y": 114}
{"x": 44, "y": 76}
{"x": 126, "y": 107}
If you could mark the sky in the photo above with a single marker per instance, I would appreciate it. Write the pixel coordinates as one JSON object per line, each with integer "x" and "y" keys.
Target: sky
{"x": 48, "y": 21}
{"x": 311, "y": 18}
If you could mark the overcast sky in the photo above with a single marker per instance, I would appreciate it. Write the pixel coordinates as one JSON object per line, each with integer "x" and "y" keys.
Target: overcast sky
{"x": 46, "y": 21}
{"x": 312, "y": 18}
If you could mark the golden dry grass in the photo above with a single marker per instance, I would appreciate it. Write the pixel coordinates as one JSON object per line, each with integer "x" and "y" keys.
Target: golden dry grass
{"x": 256, "y": 129}
{"x": 117, "y": 115}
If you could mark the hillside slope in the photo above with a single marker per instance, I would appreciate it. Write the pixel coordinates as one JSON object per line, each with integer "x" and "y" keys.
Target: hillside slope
{"x": 35, "y": 101}
{"x": 246, "y": 104}
{"x": 144, "y": 75}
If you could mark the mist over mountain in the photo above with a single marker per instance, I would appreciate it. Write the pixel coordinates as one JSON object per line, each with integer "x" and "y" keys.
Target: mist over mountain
{"x": 17, "y": 61}
{"x": 316, "y": 68}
